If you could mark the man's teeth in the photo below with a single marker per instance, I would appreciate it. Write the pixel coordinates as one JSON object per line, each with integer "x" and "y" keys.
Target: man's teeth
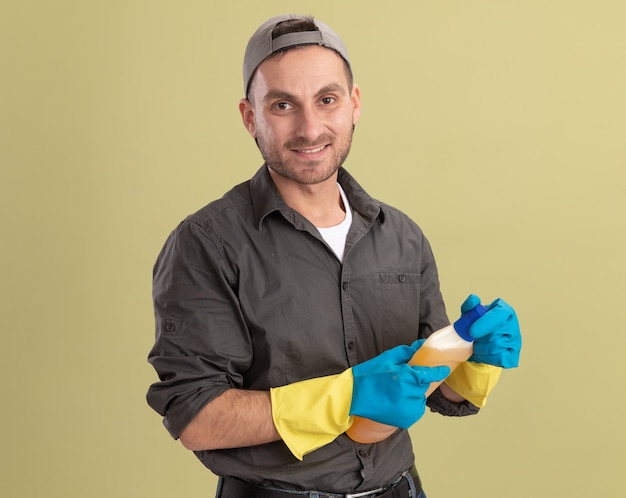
{"x": 313, "y": 151}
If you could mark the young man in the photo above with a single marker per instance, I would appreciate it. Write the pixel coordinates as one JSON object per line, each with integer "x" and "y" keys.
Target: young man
{"x": 285, "y": 308}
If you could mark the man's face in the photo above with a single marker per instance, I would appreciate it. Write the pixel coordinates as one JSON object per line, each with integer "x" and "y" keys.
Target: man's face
{"x": 302, "y": 112}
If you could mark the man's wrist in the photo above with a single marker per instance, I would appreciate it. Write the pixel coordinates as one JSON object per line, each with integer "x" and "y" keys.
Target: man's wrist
{"x": 450, "y": 394}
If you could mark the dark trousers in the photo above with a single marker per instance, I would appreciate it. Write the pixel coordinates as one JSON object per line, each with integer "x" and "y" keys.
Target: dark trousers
{"x": 235, "y": 488}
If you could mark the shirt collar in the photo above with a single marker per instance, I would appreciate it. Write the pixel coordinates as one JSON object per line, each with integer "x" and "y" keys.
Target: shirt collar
{"x": 359, "y": 199}
{"x": 266, "y": 199}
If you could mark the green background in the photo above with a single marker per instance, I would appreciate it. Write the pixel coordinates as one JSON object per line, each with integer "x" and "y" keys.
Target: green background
{"x": 499, "y": 126}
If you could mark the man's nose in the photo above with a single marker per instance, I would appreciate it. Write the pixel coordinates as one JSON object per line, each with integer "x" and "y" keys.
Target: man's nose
{"x": 308, "y": 123}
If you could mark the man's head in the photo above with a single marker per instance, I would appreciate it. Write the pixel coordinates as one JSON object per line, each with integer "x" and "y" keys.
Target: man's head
{"x": 301, "y": 104}
{"x": 281, "y": 33}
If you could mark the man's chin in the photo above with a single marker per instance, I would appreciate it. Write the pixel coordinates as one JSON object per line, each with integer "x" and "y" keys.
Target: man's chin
{"x": 305, "y": 174}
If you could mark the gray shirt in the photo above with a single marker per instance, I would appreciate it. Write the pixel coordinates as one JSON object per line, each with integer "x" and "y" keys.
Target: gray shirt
{"x": 248, "y": 295}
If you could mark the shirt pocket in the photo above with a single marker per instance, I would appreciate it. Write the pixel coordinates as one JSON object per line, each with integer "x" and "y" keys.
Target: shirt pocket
{"x": 398, "y": 305}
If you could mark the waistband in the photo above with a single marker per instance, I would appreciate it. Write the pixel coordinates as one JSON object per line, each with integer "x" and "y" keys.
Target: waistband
{"x": 405, "y": 486}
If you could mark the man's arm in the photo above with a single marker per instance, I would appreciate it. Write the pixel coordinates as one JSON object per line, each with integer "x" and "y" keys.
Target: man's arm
{"x": 235, "y": 419}
{"x": 239, "y": 418}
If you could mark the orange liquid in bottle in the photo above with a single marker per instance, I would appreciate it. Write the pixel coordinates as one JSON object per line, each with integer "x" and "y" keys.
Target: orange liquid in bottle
{"x": 443, "y": 347}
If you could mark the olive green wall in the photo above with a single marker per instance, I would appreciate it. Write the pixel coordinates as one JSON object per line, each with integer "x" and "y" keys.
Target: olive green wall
{"x": 499, "y": 126}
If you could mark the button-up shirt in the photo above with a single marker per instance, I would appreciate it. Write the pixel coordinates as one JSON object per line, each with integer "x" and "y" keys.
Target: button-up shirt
{"x": 248, "y": 295}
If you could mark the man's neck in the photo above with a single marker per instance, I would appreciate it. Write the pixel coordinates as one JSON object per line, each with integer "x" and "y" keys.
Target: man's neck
{"x": 320, "y": 203}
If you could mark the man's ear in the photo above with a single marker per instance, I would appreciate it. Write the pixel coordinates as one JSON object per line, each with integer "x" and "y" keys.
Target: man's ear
{"x": 246, "y": 109}
{"x": 356, "y": 104}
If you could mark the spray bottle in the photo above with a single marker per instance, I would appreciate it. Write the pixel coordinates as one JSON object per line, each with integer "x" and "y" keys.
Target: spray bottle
{"x": 451, "y": 346}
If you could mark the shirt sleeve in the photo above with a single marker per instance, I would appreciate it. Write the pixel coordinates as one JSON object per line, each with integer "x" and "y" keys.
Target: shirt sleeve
{"x": 438, "y": 403}
{"x": 202, "y": 345}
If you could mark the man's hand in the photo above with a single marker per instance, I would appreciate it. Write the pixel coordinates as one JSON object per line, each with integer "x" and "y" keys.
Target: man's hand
{"x": 388, "y": 390}
{"x": 497, "y": 336}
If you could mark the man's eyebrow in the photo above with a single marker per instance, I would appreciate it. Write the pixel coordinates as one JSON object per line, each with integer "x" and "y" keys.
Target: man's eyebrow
{"x": 332, "y": 88}
{"x": 283, "y": 94}
{"x": 277, "y": 95}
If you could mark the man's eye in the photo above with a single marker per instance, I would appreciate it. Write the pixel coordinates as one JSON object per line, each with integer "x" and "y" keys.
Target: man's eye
{"x": 282, "y": 106}
{"x": 328, "y": 100}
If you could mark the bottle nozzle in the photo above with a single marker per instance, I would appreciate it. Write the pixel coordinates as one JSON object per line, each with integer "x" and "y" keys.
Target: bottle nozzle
{"x": 463, "y": 324}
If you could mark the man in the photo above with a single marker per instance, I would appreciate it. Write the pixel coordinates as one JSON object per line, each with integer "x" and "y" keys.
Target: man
{"x": 287, "y": 307}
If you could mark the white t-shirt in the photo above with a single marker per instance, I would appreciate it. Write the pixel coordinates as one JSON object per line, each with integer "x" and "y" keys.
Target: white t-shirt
{"x": 335, "y": 236}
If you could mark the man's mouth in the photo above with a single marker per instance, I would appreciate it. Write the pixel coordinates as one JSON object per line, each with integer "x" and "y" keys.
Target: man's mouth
{"x": 312, "y": 151}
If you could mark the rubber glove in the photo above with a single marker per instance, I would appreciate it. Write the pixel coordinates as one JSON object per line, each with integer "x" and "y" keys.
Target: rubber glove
{"x": 388, "y": 390}
{"x": 497, "y": 336}
{"x": 311, "y": 413}
{"x": 474, "y": 381}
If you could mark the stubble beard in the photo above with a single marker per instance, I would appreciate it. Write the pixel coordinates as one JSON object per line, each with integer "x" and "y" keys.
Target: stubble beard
{"x": 306, "y": 172}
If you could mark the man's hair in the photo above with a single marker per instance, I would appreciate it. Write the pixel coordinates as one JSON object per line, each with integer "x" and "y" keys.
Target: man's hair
{"x": 297, "y": 25}
{"x": 300, "y": 25}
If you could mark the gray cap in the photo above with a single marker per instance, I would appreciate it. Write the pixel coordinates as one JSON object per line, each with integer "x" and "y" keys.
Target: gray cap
{"x": 261, "y": 45}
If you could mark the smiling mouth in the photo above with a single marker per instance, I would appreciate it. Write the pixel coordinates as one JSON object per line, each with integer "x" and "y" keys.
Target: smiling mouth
{"x": 311, "y": 151}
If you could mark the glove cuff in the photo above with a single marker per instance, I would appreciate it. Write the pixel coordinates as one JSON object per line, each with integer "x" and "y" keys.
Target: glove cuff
{"x": 474, "y": 381}
{"x": 312, "y": 413}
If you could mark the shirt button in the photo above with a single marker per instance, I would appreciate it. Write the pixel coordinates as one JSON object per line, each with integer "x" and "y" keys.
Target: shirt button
{"x": 344, "y": 285}
{"x": 364, "y": 453}
{"x": 351, "y": 345}
{"x": 402, "y": 277}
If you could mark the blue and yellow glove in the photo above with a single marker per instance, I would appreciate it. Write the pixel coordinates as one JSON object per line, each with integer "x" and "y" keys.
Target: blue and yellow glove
{"x": 312, "y": 413}
{"x": 497, "y": 336}
{"x": 497, "y": 345}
